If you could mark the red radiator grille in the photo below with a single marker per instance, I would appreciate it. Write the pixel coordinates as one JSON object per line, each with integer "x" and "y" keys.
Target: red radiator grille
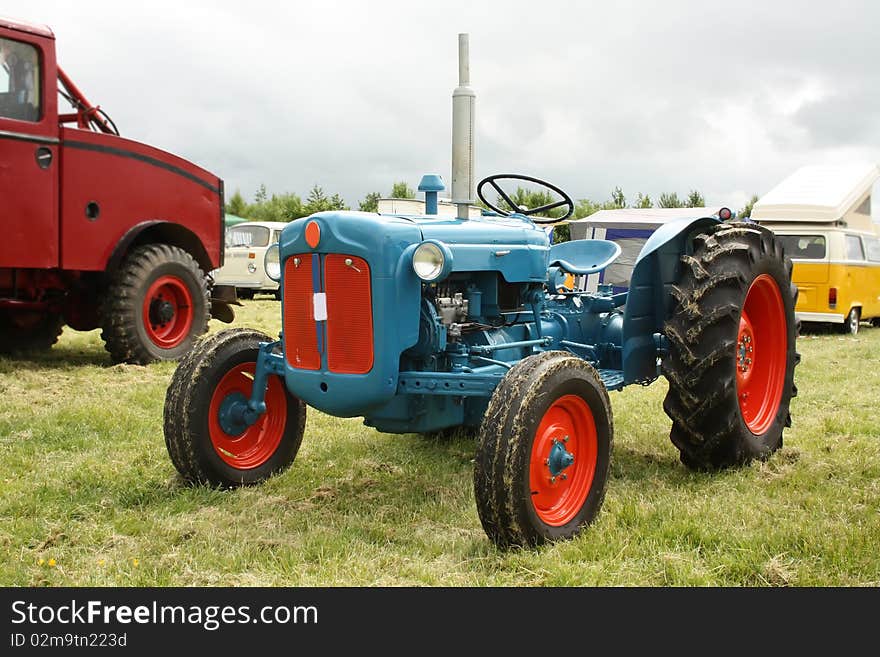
{"x": 300, "y": 330}
{"x": 349, "y": 314}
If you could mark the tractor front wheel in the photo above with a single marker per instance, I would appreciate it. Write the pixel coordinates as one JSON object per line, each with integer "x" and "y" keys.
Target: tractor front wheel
{"x": 156, "y": 306}
{"x": 731, "y": 356}
{"x": 543, "y": 451}
{"x": 206, "y": 446}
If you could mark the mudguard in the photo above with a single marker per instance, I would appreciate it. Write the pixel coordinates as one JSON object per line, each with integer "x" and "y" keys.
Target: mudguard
{"x": 649, "y": 301}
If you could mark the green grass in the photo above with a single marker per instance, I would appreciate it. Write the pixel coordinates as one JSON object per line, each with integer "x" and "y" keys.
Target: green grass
{"x": 87, "y": 484}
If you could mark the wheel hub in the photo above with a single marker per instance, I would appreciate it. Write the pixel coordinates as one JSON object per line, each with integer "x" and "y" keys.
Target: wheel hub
{"x": 745, "y": 349}
{"x": 161, "y": 311}
{"x": 232, "y": 414}
{"x": 559, "y": 459}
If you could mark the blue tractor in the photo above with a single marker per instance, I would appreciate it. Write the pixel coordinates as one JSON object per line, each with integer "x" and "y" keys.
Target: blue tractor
{"x": 428, "y": 323}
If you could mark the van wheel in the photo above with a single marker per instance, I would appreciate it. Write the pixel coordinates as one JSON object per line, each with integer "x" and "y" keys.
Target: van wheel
{"x": 850, "y": 325}
{"x": 875, "y": 322}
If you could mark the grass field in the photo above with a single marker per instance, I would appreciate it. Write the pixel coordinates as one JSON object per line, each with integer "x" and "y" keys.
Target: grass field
{"x": 89, "y": 496}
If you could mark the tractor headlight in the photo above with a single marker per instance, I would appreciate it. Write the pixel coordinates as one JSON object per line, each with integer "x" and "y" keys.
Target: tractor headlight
{"x": 272, "y": 262}
{"x": 432, "y": 261}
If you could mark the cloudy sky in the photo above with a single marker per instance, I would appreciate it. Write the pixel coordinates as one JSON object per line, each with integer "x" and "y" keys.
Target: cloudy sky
{"x": 727, "y": 98}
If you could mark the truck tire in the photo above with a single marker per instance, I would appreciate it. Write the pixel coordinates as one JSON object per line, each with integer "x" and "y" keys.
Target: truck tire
{"x": 23, "y": 332}
{"x": 200, "y": 445}
{"x": 549, "y": 407}
{"x": 156, "y": 306}
{"x": 731, "y": 348}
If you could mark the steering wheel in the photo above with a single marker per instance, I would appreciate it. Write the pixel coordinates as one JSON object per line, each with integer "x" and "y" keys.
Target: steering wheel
{"x": 566, "y": 199}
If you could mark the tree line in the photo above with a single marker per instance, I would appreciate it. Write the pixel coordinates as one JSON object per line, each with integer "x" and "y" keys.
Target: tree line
{"x": 290, "y": 206}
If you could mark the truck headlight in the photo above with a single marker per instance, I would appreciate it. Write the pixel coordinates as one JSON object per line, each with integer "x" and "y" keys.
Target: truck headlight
{"x": 432, "y": 261}
{"x": 272, "y": 262}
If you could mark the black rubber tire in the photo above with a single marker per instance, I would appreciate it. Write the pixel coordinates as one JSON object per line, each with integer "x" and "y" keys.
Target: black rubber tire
{"x": 25, "y": 332}
{"x": 501, "y": 465}
{"x": 700, "y": 364}
{"x": 124, "y": 334}
{"x": 187, "y": 403}
{"x": 850, "y": 324}
{"x": 245, "y": 293}
{"x": 875, "y": 322}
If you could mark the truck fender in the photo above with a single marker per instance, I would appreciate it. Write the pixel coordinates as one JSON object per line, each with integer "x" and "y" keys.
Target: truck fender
{"x": 159, "y": 231}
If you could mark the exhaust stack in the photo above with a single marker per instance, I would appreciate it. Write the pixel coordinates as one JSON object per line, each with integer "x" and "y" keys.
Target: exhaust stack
{"x": 463, "y": 104}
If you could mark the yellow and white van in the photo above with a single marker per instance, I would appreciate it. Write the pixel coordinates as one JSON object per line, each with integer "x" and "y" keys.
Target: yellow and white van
{"x": 243, "y": 265}
{"x": 822, "y": 216}
{"x": 837, "y": 272}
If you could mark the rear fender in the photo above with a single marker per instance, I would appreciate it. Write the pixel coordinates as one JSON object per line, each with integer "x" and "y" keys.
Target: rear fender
{"x": 650, "y": 299}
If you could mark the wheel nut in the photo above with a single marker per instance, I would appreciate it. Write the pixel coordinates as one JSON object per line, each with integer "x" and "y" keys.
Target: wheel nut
{"x": 564, "y": 477}
{"x": 565, "y": 440}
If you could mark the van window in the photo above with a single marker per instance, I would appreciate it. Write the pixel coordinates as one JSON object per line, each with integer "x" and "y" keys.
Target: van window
{"x": 854, "y": 249}
{"x": 872, "y": 246}
{"x": 19, "y": 81}
{"x": 247, "y": 236}
{"x": 809, "y": 247}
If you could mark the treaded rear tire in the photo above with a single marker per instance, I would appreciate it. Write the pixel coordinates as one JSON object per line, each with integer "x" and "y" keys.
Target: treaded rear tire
{"x": 703, "y": 401}
{"x": 124, "y": 332}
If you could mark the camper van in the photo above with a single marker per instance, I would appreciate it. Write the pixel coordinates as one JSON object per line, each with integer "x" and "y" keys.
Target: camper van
{"x": 823, "y": 217}
{"x": 244, "y": 263}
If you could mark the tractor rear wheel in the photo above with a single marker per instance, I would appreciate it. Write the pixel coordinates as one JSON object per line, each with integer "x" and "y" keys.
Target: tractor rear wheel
{"x": 25, "y": 331}
{"x": 731, "y": 356}
{"x": 206, "y": 446}
{"x": 543, "y": 451}
{"x": 156, "y": 306}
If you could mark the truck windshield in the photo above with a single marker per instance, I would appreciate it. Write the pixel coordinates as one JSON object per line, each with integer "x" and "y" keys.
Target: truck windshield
{"x": 19, "y": 81}
{"x": 805, "y": 247}
{"x": 247, "y": 236}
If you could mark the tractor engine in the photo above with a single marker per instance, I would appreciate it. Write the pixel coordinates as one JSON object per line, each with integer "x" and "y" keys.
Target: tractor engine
{"x": 411, "y": 321}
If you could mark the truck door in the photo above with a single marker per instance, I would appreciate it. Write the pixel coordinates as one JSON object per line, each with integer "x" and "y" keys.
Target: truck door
{"x": 28, "y": 152}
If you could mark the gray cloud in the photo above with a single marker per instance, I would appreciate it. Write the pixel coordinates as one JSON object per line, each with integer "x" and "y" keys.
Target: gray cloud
{"x": 725, "y": 97}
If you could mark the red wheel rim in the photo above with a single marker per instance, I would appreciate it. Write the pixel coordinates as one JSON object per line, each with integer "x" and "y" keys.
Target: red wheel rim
{"x": 557, "y": 500}
{"x": 168, "y": 312}
{"x": 761, "y": 349}
{"x": 260, "y": 440}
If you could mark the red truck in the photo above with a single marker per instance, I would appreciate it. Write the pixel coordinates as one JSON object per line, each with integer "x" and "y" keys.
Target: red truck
{"x": 98, "y": 231}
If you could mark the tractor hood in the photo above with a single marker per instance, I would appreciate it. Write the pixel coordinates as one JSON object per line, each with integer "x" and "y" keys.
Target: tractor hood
{"x": 513, "y": 246}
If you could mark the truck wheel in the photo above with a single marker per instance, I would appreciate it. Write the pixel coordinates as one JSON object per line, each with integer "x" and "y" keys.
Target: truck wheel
{"x": 28, "y": 331}
{"x": 731, "y": 356}
{"x": 156, "y": 305}
{"x": 850, "y": 325}
{"x": 543, "y": 451}
{"x": 203, "y": 444}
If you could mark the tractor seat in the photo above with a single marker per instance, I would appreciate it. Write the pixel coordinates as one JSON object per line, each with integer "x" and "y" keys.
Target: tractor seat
{"x": 584, "y": 256}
